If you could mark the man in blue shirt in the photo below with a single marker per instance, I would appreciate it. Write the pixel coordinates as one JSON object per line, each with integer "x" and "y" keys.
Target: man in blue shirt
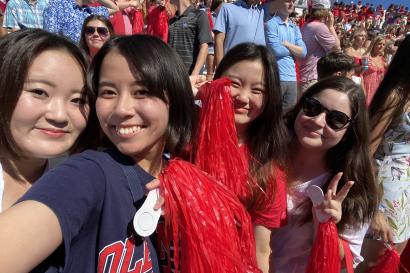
{"x": 285, "y": 40}
{"x": 66, "y": 17}
{"x": 238, "y": 23}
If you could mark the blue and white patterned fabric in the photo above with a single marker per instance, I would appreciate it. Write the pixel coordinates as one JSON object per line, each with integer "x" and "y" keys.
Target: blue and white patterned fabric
{"x": 66, "y": 17}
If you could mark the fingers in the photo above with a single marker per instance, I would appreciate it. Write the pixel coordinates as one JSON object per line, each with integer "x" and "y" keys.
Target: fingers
{"x": 341, "y": 195}
{"x": 160, "y": 203}
{"x": 334, "y": 182}
{"x": 154, "y": 184}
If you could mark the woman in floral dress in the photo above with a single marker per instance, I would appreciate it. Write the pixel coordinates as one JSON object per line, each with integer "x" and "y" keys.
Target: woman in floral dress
{"x": 390, "y": 116}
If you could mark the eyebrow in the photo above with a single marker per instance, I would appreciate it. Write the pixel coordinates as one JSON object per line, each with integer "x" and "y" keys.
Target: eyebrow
{"x": 43, "y": 81}
{"x": 51, "y": 84}
{"x": 239, "y": 78}
{"x": 112, "y": 84}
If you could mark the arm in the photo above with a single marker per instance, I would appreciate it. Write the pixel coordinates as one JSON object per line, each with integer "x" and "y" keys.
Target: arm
{"x": 219, "y": 47}
{"x": 376, "y": 134}
{"x": 273, "y": 40}
{"x": 10, "y": 18}
{"x": 203, "y": 52}
{"x": 300, "y": 43}
{"x": 263, "y": 250}
{"x": 129, "y": 4}
{"x": 204, "y": 38}
{"x": 110, "y": 5}
{"x": 23, "y": 226}
{"x": 295, "y": 50}
{"x": 330, "y": 25}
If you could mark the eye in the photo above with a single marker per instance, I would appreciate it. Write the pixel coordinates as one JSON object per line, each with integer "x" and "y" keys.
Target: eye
{"x": 38, "y": 92}
{"x": 106, "y": 93}
{"x": 258, "y": 91}
{"x": 235, "y": 84}
{"x": 141, "y": 93}
{"x": 79, "y": 101}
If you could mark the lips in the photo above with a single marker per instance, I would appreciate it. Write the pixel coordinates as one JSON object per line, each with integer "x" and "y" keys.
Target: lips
{"x": 53, "y": 132}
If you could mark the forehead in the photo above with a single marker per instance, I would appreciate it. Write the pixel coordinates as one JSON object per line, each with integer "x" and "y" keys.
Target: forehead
{"x": 334, "y": 100}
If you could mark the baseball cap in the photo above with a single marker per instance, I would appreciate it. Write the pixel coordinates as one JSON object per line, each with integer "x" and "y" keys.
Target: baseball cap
{"x": 321, "y": 4}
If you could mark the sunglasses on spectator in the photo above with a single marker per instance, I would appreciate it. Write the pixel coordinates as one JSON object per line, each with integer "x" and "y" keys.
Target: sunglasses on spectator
{"x": 334, "y": 119}
{"x": 102, "y": 31}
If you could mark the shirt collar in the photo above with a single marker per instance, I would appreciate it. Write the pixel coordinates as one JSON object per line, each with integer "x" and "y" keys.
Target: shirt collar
{"x": 281, "y": 22}
{"x": 186, "y": 12}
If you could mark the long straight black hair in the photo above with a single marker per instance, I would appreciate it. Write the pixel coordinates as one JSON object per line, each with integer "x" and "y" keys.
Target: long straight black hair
{"x": 267, "y": 134}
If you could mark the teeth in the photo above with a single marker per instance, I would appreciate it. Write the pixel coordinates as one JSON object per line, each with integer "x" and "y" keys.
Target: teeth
{"x": 127, "y": 130}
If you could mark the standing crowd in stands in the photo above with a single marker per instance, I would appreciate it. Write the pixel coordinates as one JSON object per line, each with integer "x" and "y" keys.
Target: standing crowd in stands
{"x": 102, "y": 101}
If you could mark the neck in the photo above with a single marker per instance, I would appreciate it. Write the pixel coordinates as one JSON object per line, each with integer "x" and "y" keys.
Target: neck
{"x": 93, "y": 52}
{"x": 182, "y": 5}
{"x": 25, "y": 171}
{"x": 284, "y": 17}
{"x": 241, "y": 134}
{"x": 151, "y": 162}
{"x": 307, "y": 163}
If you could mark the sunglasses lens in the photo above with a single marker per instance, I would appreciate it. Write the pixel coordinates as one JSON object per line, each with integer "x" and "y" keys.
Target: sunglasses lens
{"x": 89, "y": 30}
{"x": 336, "y": 119}
{"x": 102, "y": 31}
{"x": 312, "y": 107}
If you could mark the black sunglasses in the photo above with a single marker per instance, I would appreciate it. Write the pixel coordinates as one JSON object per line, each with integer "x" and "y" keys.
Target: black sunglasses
{"x": 335, "y": 119}
{"x": 102, "y": 31}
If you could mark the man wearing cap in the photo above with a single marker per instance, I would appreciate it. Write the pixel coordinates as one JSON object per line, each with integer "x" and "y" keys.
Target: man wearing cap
{"x": 236, "y": 23}
{"x": 284, "y": 39}
{"x": 320, "y": 38}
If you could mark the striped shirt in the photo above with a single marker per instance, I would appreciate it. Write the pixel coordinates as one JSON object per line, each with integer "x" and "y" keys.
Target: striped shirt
{"x": 21, "y": 14}
{"x": 187, "y": 32}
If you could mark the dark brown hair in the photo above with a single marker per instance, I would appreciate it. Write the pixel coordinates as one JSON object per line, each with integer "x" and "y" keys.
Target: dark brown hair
{"x": 351, "y": 155}
{"x": 90, "y": 18}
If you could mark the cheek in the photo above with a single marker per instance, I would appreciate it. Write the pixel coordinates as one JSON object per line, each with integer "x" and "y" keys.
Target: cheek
{"x": 78, "y": 117}
{"x": 103, "y": 109}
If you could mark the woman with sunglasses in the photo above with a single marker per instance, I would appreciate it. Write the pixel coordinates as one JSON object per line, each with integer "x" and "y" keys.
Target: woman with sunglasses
{"x": 95, "y": 32}
{"x": 329, "y": 149}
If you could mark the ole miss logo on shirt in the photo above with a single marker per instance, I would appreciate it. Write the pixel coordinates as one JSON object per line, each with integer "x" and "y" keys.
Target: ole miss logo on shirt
{"x": 117, "y": 258}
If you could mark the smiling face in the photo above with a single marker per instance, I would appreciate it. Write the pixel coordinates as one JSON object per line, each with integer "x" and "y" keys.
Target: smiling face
{"x": 248, "y": 92}
{"x": 135, "y": 122}
{"x": 313, "y": 133}
{"x": 48, "y": 117}
{"x": 96, "y": 34}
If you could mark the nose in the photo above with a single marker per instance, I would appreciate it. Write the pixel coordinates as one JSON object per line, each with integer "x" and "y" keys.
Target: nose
{"x": 320, "y": 119}
{"x": 57, "y": 112}
{"x": 242, "y": 96}
{"x": 124, "y": 106}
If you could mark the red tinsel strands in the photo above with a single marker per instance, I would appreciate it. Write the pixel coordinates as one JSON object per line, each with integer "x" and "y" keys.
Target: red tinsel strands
{"x": 217, "y": 151}
{"x": 325, "y": 253}
{"x": 212, "y": 227}
{"x": 138, "y": 22}
{"x": 157, "y": 23}
{"x": 389, "y": 262}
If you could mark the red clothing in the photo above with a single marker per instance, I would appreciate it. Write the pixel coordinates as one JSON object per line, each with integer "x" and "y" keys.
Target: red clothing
{"x": 270, "y": 209}
{"x": 371, "y": 80}
{"x": 272, "y": 212}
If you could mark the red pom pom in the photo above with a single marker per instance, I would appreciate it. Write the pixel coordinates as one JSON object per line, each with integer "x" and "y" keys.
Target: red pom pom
{"x": 388, "y": 263}
{"x": 217, "y": 150}
{"x": 325, "y": 253}
{"x": 212, "y": 228}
